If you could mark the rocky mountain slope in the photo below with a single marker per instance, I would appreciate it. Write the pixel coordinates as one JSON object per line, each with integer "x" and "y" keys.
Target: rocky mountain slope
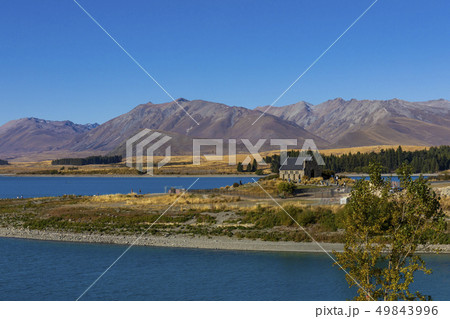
{"x": 30, "y": 135}
{"x": 365, "y": 122}
{"x": 334, "y": 123}
{"x": 215, "y": 120}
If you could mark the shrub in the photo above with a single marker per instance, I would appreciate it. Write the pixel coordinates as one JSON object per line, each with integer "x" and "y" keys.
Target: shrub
{"x": 286, "y": 188}
{"x": 307, "y": 218}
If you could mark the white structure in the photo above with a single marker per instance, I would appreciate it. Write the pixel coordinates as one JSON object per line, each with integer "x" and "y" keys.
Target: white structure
{"x": 344, "y": 200}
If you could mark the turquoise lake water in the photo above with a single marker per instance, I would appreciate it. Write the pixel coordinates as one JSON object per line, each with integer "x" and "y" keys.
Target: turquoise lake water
{"x": 14, "y": 186}
{"x": 40, "y": 270}
{"x": 38, "y": 186}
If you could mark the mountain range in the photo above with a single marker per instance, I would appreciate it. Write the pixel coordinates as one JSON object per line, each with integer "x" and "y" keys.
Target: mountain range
{"x": 33, "y": 136}
{"x": 331, "y": 124}
{"x": 365, "y": 122}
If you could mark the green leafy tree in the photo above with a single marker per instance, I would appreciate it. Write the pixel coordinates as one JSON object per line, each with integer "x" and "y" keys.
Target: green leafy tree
{"x": 249, "y": 167}
{"x": 275, "y": 163}
{"x": 240, "y": 168}
{"x": 384, "y": 230}
{"x": 375, "y": 170}
{"x": 286, "y": 188}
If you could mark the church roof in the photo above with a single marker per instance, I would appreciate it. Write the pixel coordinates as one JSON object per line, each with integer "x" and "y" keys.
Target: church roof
{"x": 294, "y": 163}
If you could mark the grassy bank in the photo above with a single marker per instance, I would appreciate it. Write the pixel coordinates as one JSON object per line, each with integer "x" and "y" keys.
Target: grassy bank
{"x": 191, "y": 215}
{"x": 205, "y": 215}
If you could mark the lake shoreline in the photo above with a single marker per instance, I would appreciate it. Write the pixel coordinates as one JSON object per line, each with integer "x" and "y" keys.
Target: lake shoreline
{"x": 135, "y": 176}
{"x": 181, "y": 241}
{"x": 174, "y": 241}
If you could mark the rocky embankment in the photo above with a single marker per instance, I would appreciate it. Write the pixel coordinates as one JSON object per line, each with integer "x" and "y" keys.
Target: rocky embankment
{"x": 171, "y": 241}
{"x": 181, "y": 241}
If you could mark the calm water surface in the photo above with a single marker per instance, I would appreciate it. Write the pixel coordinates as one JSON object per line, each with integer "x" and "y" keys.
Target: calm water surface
{"x": 38, "y": 186}
{"x": 13, "y": 186}
{"x": 39, "y": 270}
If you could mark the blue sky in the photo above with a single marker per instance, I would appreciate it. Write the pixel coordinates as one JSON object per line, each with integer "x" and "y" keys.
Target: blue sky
{"x": 56, "y": 64}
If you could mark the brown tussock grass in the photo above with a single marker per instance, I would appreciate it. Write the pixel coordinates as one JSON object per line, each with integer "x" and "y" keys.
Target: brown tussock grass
{"x": 445, "y": 204}
{"x": 187, "y": 199}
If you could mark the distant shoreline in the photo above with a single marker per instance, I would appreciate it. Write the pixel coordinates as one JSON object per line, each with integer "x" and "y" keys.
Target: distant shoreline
{"x": 180, "y": 241}
{"x": 135, "y": 176}
{"x": 350, "y": 175}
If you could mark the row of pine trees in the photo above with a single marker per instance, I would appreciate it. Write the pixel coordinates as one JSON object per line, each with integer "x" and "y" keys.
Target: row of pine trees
{"x": 432, "y": 160}
{"x": 88, "y": 160}
{"x": 253, "y": 167}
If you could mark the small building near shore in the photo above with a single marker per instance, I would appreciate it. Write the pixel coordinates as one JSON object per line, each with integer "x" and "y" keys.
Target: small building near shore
{"x": 176, "y": 190}
{"x": 295, "y": 168}
{"x": 343, "y": 200}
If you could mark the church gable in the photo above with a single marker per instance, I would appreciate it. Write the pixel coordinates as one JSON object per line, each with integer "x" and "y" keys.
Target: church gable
{"x": 294, "y": 168}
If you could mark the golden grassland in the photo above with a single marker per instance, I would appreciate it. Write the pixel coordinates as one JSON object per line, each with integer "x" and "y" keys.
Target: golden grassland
{"x": 46, "y": 168}
{"x": 362, "y": 149}
{"x": 179, "y": 165}
{"x": 369, "y": 149}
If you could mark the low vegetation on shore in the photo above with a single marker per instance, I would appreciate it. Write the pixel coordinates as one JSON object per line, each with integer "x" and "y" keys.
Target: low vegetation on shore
{"x": 192, "y": 214}
{"x": 444, "y": 176}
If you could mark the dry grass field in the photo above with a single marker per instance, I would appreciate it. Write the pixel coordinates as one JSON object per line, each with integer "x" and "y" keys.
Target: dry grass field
{"x": 368, "y": 149}
{"x": 193, "y": 214}
{"x": 179, "y": 165}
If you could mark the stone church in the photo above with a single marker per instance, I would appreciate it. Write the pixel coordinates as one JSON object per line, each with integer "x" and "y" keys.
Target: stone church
{"x": 294, "y": 168}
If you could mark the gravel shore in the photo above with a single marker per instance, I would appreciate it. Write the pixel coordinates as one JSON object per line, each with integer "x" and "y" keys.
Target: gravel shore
{"x": 172, "y": 241}
{"x": 181, "y": 241}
